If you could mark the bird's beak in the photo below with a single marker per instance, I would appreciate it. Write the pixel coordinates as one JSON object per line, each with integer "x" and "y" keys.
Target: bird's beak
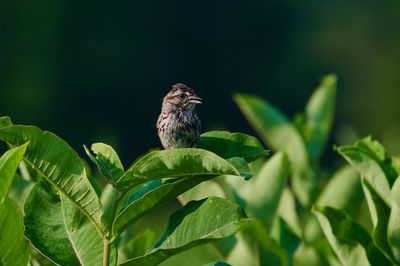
{"x": 195, "y": 99}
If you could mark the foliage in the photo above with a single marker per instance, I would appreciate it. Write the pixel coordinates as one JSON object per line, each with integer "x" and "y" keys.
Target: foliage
{"x": 299, "y": 212}
{"x": 66, "y": 221}
{"x": 324, "y": 228}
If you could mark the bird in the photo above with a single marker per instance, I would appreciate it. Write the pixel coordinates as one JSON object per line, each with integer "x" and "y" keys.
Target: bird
{"x": 179, "y": 125}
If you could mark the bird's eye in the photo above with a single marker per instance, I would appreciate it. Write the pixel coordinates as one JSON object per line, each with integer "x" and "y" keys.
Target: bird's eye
{"x": 182, "y": 96}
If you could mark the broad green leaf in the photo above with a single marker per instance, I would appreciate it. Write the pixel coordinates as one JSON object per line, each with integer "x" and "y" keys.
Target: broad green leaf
{"x": 241, "y": 165}
{"x": 107, "y": 161}
{"x": 206, "y": 189}
{"x": 151, "y": 196}
{"x": 9, "y": 162}
{"x": 107, "y": 199}
{"x": 394, "y": 221}
{"x": 287, "y": 210}
{"x": 137, "y": 246}
{"x": 59, "y": 164}
{"x": 343, "y": 192}
{"x": 197, "y": 256}
{"x": 375, "y": 150}
{"x": 262, "y": 193}
{"x": 174, "y": 163}
{"x": 13, "y": 248}
{"x": 347, "y": 239}
{"x": 196, "y": 223}
{"x": 20, "y": 190}
{"x": 87, "y": 243}
{"x": 228, "y": 145}
{"x": 380, "y": 213}
{"x": 304, "y": 184}
{"x": 273, "y": 127}
{"x": 368, "y": 168}
{"x": 281, "y": 134}
{"x": 270, "y": 251}
{"x": 5, "y": 121}
{"x": 44, "y": 225}
{"x": 285, "y": 236}
{"x": 319, "y": 116}
{"x": 244, "y": 250}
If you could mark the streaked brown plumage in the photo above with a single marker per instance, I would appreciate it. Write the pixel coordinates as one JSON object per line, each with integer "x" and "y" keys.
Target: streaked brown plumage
{"x": 179, "y": 125}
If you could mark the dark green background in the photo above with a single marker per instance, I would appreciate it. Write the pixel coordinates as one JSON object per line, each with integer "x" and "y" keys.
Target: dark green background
{"x": 97, "y": 71}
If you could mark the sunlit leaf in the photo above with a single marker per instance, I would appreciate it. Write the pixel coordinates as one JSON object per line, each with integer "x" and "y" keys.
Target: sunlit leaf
{"x": 287, "y": 210}
{"x": 347, "y": 239}
{"x": 261, "y": 194}
{"x": 57, "y": 163}
{"x": 151, "y": 196}
{"x": 13, "y": 248}
{"x": 197, "y": 223}
{"x": 9, "y": 162}
{"x": 380, "y": 212}
{"x": 344, "y": 192}
{"x": 270, "y": 251}
{"x": 319, "y": 116}
{"x": 107, "y": 161}
{"x": 177, "y": 163}
{"x": 228, "y": 145}
{"x": 368, "y": 168}
{"x": 273, "y": 127}
{"x": 5, "y": 121}
{"x": 87, "y": 243}
{"x": 284, "y": 235}
{"x": 44, "y": 225}
{"x": 244, "y": 250}
{"x": 137, "y": 246}
{"x": 394, "y": 221}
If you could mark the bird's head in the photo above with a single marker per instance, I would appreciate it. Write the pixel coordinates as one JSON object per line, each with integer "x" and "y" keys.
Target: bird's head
{"x": 181, "y": 98}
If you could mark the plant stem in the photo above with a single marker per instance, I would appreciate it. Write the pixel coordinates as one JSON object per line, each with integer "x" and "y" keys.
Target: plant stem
{"x": 106, "y": 253}
{"x": 109, "y": 239}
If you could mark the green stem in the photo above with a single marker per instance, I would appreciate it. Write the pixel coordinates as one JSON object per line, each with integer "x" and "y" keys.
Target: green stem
{"x": 109, "y": 239}
{"x": 106, "y": 253}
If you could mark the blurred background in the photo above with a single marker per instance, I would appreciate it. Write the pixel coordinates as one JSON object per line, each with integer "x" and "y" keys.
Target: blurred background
{"x": 97, "y": 71}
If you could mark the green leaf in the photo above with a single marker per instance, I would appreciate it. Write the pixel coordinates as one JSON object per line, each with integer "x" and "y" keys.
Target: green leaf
{"x": 13, "y": 248}
{"x": 86, "y": 241}
{"x": 107, "y": 161}
{"x": 174, "y": 163}
{"x": 228, "y": 145}
{"x": 5, "y": 121}
{"x": 59, "y": 164}
{"x": 273, "y": 127}
{"x": 380, "y": 213}
{"x": 394, "y": 221}
{"x": 137, "y": 246}
{"x": 241, "y": 165}
{"x": 348, "y": 239}
{"x": 270, "y": 252}
{"x": 319, "y": 114}
{"x": 368, "y": 168}
{"x": 151, "y": 196}
{"x": 280, "y": 134}
{"x": 197, "y": 223}
{"x": 304, "y": 184}
{"x": 285, "y": 236}
{"x": 375, "y": 150}
{"x": 244, "y": 249}
{"x": 348, "y": 197}
{"x": 262, "y": 192}
{"x": 287, "y": 211}
{"x": 9, "y": 162}
{"x": 44, "y": 225}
